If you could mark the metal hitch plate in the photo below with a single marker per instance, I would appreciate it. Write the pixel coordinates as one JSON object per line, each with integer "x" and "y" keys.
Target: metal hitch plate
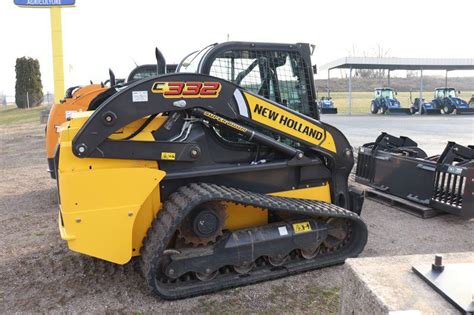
{"x": 454, "y": 283}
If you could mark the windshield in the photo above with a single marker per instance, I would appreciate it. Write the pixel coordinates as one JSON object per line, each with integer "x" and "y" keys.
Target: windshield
{"x": 442, "y": 93}
{"x": 191, "y": 63}
{"x": 451, "y": 93}
{"x": 388, "y": 93}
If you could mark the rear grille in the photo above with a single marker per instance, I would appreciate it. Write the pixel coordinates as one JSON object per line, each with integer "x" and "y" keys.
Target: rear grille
{"x": 449, "y": 189}
{"x": 365, "y": 164}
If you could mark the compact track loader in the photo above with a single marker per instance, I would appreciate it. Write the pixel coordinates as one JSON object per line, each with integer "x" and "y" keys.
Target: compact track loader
{"x": 215, "y": 182}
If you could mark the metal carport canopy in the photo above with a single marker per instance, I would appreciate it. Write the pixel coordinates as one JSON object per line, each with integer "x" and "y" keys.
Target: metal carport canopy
{"x": 447, "y": 64}
{"x": 400, "y": 63}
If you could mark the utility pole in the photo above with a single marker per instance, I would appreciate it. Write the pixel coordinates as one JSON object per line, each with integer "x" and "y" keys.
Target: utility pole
{"x": 56, "y": 38}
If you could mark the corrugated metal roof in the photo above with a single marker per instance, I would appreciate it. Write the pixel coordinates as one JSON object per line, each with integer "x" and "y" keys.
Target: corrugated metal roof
{"x": 400, "y": 63}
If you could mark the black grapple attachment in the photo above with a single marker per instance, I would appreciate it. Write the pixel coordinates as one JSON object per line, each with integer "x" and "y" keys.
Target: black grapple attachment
{"x": 396, "y": 166}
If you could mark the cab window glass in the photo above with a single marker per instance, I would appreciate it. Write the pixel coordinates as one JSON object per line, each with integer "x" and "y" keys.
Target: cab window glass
{"x": 277, "y": 75}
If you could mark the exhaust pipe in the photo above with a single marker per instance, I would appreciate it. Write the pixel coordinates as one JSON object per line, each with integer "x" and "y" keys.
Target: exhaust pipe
{"x": 160, "y": 62}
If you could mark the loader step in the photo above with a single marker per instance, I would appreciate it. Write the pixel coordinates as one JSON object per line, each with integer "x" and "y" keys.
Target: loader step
{"x": 156, "y": 251}
{"x": 404, "y": 205}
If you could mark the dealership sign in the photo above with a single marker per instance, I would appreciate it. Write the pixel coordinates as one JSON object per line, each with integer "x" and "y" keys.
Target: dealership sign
{"x": 45, "y": 3}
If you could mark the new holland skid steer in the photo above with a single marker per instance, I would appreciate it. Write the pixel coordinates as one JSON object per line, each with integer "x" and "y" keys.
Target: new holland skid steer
{"x": 216, "y": 180}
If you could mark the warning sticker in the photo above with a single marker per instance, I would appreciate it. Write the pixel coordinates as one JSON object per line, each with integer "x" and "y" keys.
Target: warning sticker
{"x": 301, "y": 227}
{"x": 283, "y": 231}
{"x": 69, "y": 114}
{"x": 139, "y": 96}
{"x": 168, "y": 156}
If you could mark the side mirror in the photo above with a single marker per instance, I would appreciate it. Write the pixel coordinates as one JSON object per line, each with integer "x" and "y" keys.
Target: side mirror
{"x": 396, "y": 93}
{"x": 459, "y": 92}
{"x": 315, "y": 69}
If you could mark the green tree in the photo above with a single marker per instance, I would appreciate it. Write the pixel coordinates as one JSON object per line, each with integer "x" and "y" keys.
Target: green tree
{"x": 28, "y": 87}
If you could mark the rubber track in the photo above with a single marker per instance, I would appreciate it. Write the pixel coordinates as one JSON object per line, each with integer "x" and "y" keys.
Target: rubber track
{"x": 188, "y": 197}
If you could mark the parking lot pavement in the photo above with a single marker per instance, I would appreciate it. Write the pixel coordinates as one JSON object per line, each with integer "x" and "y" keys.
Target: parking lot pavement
{"x": 430, "y": 132}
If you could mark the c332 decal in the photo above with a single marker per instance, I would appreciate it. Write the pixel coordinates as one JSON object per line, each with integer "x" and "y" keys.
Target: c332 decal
{"x": 187, "y": 89}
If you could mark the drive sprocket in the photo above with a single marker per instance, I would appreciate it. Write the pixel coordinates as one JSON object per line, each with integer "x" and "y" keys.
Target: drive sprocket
{"x": 204, "y": 225}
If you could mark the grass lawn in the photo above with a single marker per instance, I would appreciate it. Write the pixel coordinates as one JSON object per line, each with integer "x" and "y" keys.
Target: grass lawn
{"x": 12, "y": 115}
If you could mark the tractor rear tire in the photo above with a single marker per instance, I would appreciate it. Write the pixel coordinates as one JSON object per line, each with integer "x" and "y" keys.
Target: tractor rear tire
{"x": 373, "y": 108}
{"x": 446, "y": 109}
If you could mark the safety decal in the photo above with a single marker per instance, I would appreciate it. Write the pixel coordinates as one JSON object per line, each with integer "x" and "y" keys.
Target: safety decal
{"x": 170, "y": 156}
{"x": 139, "y": 96}
{"x": 301, "y": 227}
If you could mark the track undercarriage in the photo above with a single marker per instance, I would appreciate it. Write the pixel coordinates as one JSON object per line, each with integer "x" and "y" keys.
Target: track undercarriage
{"x": 316, "y": 234}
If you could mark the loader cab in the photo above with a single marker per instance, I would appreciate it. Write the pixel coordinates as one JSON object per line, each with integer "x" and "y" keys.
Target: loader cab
{"x": 147, "y": 71}
{"x": 384, "y": 93}
{"x": 441, "y": 93}
{"x": 279, "y": 72}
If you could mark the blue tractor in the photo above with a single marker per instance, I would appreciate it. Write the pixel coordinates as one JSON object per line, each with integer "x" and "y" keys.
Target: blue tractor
{"x": 419, "y": 105}
{"x": 385, "y": 102}
{"x": 326, "y": 104}
{"x": 446, "y": 99}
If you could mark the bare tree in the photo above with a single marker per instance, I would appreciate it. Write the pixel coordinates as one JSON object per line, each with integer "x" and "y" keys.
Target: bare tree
{"x": 380, "y": 52}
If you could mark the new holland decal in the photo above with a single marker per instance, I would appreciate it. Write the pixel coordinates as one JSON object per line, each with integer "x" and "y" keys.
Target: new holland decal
{"x": 288, "y": 122}
{"x": 285, "y": 121}
{"x": 187, "y": 89}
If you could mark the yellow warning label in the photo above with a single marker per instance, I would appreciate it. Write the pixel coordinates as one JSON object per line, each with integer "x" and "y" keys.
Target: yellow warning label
{"x": 168, "y": 155}
{"x": 301, "y": 227}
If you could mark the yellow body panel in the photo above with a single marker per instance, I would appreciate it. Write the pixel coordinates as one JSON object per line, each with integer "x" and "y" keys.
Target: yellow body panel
{"x": 280, "y": 119}
{"x": 122, "y": 196}
{"x": 321, "y": 193}
{"x": 239, "y": 216}
{"x": 102, "y": 225}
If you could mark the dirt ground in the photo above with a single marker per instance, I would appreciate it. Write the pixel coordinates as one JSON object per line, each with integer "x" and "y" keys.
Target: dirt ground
{"x": 39, "y": 274}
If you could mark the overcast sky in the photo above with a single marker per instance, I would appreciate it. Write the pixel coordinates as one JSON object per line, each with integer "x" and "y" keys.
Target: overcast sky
{"x": 115, "y": 33}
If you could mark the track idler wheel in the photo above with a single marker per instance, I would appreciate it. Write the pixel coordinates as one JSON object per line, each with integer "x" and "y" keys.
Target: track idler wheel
{"x": 244, "y": 268}
{"x": 207, "y": 276}
{"x": 337, "y": 233}
{"x": 310, "y": 253}
{"x": 278, "y": 260}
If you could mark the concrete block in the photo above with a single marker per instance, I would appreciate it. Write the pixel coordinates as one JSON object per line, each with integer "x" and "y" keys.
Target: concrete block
{"x": 387, "y": 285}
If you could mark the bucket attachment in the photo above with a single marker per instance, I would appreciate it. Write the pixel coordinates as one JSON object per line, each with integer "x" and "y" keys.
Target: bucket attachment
{"x": 398, "y": 111}
{"x": 464, "y": 111}
{"x": 432, "y": 111}
{"x": 329, "y": 110}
